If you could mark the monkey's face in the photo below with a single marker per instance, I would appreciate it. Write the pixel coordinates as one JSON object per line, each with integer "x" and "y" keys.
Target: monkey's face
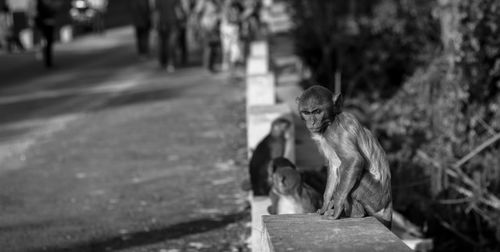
{"x": 318, "y": 107}
{"x": 280, "y": 128}
{"x": 316, "y": 118}
{"x": 286, "y": 180}
{"x": 316, "y": 113}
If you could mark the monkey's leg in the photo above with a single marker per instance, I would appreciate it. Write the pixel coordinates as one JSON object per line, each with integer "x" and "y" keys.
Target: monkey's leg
{"x": 329, "y": 209}
{"x": 350, "y": 170}
{"x": 273, "y": 208}
{"x": 376, "y": 203}
{"x": 354, "y": 209}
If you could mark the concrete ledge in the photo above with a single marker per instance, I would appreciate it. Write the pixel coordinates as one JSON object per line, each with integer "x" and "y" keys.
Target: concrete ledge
{"x": 261, "y": 89}
{"x": 259, "y": 208}
{"x": 280, "y": 26}
{"x": 286, "y": 60}
{"x": 288, "y": 79}
{"x": 259, "y": 49}
{"x": 257, "y": 65}
{"x": 312, "y": 233}
{"x": 278, "y": 7}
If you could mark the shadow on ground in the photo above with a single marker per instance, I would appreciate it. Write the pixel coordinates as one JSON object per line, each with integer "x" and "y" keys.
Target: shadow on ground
{"x": 153, "y": 236}
{"x": 64, "y": 61}
{"x": 76, "y": 93}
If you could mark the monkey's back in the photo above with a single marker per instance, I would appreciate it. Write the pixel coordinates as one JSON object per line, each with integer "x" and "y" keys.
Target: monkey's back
{"x": 375, "y": 188}
{"x": 370, "y": 148}
{"x": 269, "y": 148}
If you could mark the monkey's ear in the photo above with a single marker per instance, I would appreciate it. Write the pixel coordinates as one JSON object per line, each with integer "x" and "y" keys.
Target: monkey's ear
{"x": 338, "y": 100}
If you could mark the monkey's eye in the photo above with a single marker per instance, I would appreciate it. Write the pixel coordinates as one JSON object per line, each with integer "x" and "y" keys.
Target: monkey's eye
{"x": 316, "y": 111}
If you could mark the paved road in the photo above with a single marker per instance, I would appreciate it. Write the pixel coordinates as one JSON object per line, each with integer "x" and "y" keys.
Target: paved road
{"x": 108, "y": 153}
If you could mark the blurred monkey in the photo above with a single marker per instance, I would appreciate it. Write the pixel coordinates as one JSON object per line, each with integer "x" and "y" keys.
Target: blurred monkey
{"x": 272, "y": 146}
{"x": 289, "y": 193}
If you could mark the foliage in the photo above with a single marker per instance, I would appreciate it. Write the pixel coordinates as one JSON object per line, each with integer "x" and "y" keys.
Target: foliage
{"x": 479, "y": 55}
{"x": 446, "y": 110}
{"x": 374, "y": 44}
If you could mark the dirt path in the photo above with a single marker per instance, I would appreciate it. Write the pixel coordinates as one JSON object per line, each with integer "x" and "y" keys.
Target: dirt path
{"x": 156, "y": 168}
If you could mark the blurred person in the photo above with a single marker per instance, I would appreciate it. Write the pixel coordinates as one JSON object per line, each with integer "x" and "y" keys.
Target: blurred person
{"x": 101, "y": 7}
{"x": 44, "y": 20}
{"x": 167, "y": 16}
{"x": 182, "y": 42}
{"x": 250, "y": 27}
{"x": 141, "y": 18}
{"x": 230, "y": 34}
{"x": 37, "y": 37}
{"x": 19, "y": 22}
{"x": 208, "y": 15}
{"x": 5, "y": 25}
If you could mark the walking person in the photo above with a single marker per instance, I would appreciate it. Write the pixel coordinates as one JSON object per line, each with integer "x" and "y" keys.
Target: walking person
{"x": 167, "y": 16}
{"x": 250, "y": 24}
{"x": 182, "y": 41}
{"x": 230, "y": 34}
{"x": 45, "y": 21}
{"x": 5, "y": 26}
{"x": 141, "y": 18}
{"x": 101, "y": 7}
{"x": 208, "y": 16}
{"x": 18, "y": 23}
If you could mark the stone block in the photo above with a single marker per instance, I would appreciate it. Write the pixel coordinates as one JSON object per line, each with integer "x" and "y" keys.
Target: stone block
{"x": 259, "y": 49}
{"x": 259, "y": 206}
{"x": 261, "y": 89}
{"x": 281, "y": 24}
{"x": 267, "y": 3}
{"x": 257, "y": 65}
{"x": 279, "y": 8}
{"x": 310, "y": 232}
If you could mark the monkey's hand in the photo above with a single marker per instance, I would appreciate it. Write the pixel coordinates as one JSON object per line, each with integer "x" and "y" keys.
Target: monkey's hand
{"x": 327, "y": 206}
{"x": 334, "y": 213}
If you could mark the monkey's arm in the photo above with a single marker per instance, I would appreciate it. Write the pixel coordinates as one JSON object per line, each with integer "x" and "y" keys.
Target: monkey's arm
{"x": 273, "y": 208}
{"x": 277, "y": 148}
{"x": 350, "y": 171}
{"x": 327, "y": 196}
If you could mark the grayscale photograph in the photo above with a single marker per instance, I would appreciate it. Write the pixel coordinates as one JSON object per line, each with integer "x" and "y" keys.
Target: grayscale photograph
{"x": 249, "y": 125}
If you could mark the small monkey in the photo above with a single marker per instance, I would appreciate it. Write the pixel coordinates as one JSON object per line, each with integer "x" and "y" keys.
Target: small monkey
{"x": 289, "y": 194}
{"x": 359, "y": 178}
{"x": 272, "y": 146}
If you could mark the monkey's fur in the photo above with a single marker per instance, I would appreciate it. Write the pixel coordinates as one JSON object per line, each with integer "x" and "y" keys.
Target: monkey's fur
{"x": 289, "y": 194}
{"x": 359, "y": 178}
{"x": 272, "y": 146}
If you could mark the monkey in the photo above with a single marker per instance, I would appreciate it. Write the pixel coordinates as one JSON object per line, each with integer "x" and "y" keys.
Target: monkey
{"x": 289, "y": 194}
{"x": 272, "y": 146}
{"x": 359, "y": 178}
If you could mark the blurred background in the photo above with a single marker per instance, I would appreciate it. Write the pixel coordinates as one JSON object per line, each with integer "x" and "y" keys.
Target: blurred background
{"x": 424, "y": 76}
